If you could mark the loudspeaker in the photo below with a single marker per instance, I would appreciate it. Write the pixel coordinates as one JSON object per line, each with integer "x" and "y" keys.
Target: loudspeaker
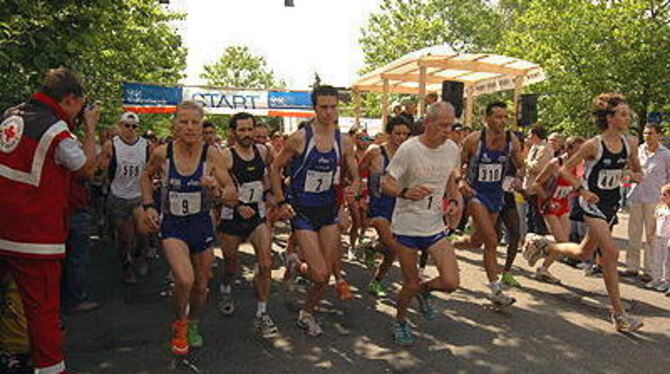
{"x": 288, "y": 3}
{"x": 528, "y": 110}
{"x": 452, "y": 92}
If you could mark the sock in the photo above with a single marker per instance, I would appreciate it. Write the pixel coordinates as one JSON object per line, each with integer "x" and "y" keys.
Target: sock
{"x": 494, "y": 286}
{"x": 303, "y": 315}
{"x": 225, "y": 288}
{"x": 262, "y": 306}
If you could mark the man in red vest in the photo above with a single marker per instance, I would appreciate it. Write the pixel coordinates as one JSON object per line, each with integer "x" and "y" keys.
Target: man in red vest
{"x": 38, "y": 153}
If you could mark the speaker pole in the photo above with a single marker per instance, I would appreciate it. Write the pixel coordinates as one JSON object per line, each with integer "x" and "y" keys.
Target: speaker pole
{"x": 385, "y": 102}
{"x": 422, "y": 91}
{"x": 518, "y": 86}
{"x": 357, "y": 107}
{"x": 469, "y": 104}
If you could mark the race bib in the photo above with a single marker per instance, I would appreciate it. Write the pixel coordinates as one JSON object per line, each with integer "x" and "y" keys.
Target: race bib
{"x": 490, "y": 173}
{"x": 318, "y": 181}
{"x": 185, "y": 203}
{"x": 251, "y": 192}
{"x": 562, "y": 192}
{"x": 609, "y": 179}
{"x": 129, "y": 170}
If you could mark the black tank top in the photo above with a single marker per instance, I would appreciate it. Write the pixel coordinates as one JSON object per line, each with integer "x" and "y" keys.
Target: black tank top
{"x": 249, "y": 177}
{"x": 603, "y": 174}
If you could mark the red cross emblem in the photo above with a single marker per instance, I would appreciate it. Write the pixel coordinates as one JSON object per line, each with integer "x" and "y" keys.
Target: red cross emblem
{"x": 10, "y": 133}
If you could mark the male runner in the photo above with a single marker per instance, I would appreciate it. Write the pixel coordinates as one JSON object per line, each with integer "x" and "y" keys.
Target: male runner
{"x": 485, "y": 156}
{"x": 606, "y": 156}
{"x": 185, "y": 225}
{"x": 376, "y": 161}
{"x": 125, "y": 157}
{"x": 247, "y": 164}
{"x": 316, "y": 155}
{"x": 420, "y": 174}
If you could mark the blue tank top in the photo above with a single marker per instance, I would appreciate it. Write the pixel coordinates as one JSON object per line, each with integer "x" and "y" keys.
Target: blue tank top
{"x": 315, "y": 174}
{"x": 487, "y": 168}
{"x": 183, "y": 195}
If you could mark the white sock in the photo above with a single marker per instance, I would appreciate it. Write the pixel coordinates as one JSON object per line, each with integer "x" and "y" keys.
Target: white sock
{"x": 262, "y": 306}
{"x": 494, "y": 286}
{"x": 303, "y": 315}
{"x": 225, "y": 288}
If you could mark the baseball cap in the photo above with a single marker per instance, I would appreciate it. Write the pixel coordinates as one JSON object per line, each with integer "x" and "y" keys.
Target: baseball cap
{"x": 457, "y": 127}
{"x": 130, "y": 117}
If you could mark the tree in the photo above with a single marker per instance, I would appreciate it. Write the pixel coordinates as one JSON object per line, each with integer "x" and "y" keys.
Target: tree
{"x": 238, "y": 67}
{"x": 588, "y": 47}
{"x": 106, "y": 41}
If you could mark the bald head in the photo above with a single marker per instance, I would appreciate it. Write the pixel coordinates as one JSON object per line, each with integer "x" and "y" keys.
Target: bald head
{"x": 439, "y": 109}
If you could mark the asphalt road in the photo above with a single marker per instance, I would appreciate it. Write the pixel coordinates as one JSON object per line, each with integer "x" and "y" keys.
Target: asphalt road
{"x": 551, "y": 328}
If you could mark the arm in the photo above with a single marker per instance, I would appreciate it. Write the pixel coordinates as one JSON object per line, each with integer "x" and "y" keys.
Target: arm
{"x": 156, "y": 160}
{"x": 586, "y": 152}
{"x": 290, "y": 150}
{"x": 91, "y": 118}
{"x": 517, "y": 158}
{"x": 351, "y": 164}
{"x": 396, "y": 170}
{"x": 634, "y": 160}
{"x": 538, "y": 186}
{"x": 467, "y": 151}
{"x": 220, "y": 163}
{"x": 105, "y": 157}
{"x": 370, "y": 158}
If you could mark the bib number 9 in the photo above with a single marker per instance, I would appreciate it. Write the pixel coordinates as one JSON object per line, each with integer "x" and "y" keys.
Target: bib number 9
{"x": 609, "y": 179}
{"x": 318, "y": 181}
{"x": 490, "y": 173}
{"x": 185, "y": 203}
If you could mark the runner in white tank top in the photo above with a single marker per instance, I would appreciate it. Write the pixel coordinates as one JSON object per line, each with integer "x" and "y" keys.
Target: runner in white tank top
{"x": 125, "y": 156}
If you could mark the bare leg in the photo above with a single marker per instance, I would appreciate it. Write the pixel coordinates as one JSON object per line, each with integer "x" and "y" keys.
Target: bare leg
{"x": 315, "y": 267}
{"x": 202, "y": 265}
{"x": 485, "y": 229}
{"x": 443, "y": 254}
{"x": 560, "y": 229}
{"x": 261, "y": 241}
{"x": 383, "y": 228}
{"x": 178, "y": 257}
{"x": 411, "y": 283}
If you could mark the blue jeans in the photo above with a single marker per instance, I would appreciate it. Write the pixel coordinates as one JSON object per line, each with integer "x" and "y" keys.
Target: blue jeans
{"x": 74, "y": 270}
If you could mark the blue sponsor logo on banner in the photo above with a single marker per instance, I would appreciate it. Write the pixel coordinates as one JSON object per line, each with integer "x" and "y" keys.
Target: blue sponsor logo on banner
{"x": 289, "y": 100}
{"x": 137, "y": 94}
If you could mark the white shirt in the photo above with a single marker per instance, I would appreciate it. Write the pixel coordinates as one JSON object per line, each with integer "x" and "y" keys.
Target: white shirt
{"x": 131, "y": 160}
{"x": 415, "y": 164}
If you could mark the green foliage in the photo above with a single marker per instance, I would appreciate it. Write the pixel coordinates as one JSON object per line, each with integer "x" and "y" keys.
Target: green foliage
{"x": 238, "y": 67}
{"x": 106, "y": 41}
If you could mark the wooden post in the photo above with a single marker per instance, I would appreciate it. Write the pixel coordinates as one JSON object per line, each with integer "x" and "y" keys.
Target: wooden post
{"x": 421, "y": 105}
{"x": 518, "y": 86}
{"x": 469, "y": 104}
{"x": 357, "y": 107}
{"x": 385, "y": 104}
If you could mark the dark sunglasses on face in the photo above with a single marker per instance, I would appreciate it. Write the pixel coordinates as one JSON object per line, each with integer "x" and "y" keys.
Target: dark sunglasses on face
{"x": 131, "y": 126}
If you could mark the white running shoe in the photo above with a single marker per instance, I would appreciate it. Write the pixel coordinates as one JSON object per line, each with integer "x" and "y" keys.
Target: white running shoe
{"x": 542, "y": 274}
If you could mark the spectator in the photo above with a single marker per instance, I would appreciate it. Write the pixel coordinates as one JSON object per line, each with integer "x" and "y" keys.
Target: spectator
{"x": 538, "y": 157}
{"x": 33, "y": 202}
{"x": 644, "y": 197}
{"x": 556, "y": 141}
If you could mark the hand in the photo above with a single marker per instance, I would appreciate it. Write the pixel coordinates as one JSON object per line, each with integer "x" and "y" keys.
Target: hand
{"x": 208, "y": 181}
{"x": 229, "y": 195}
{"x": 589, "y": 196}
{"x": 286, "y": 211}
{"x": 465, "y": 189}
{"x": 151, "y": 219}
{"x": 91, "y": 116}
{"x": 349, "y": 195}
{"x": 417, "y": 193}
{"x": 246, "y": 211}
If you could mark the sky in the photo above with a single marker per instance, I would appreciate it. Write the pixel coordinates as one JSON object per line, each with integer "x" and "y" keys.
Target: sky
{"x": 314, "y": 36}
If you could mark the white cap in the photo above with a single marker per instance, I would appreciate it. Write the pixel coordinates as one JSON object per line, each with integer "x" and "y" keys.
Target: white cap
{"x": 130, "y": 117}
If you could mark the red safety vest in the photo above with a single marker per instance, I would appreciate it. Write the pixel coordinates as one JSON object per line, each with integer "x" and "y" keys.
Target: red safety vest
{"x": 33, "y": 187}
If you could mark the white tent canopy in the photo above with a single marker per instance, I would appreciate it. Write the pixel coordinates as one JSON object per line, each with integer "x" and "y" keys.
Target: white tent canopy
{"x": 424, "y": 71}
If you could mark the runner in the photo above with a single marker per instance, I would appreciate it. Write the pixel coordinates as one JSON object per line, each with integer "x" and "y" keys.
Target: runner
{"x": 125, "y": 157}
{"x": 185, "y": 225}
{"x": 316, "y": 154}
{"x": 358, "y": 206}
{"x": 553, "y": 192}
{"x": 376, "y": 162}
{"x": 606, "y": 155}
{"x": 485, "y": 154}
{"x": 247, "y": 163}
{"x": 420, "y": 174}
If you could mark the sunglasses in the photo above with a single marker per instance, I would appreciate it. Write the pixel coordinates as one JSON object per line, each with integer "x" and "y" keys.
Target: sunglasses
{"x": 131, "y": 126}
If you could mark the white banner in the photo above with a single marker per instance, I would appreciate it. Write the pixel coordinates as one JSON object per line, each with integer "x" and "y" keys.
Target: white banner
{"x": 225, "y": 101}
{"x": 507, "y": 82}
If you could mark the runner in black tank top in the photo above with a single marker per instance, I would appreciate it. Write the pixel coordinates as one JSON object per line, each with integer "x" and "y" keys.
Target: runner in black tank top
{"x": 246, "y": 163}
{"x": 606, "y": 156}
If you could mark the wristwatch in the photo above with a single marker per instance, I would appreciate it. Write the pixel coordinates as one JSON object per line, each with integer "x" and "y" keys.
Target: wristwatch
{"x": 150, "y": 205}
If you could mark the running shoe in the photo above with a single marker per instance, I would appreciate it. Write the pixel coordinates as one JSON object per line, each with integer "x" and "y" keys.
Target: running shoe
{"x": 308, "y": 324}
{"x": 226, "y": 305}
{"x": 194, "y": 337}
{"x": 664, "y": 286}
{"x": 180, "y": 337}
{"x": 534, "y": 247}
{"x": 425, "y": 304}
{"x": 265, "y": 325}
{"x": 628, "y": 273}
{"x": 402, "y": 333}
{"x": 343, "y": 291}
{"x": 653, "y": 285}
{"x": 625, "y": 322}
{"x": 509, "y": 280}
{"x": 376, "y": 289}
{"x": 498, "y": 298}
{"x": 542, "y": 274}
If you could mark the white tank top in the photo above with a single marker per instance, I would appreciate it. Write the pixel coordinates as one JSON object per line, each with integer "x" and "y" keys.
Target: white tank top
{"x": 131, "y": 159}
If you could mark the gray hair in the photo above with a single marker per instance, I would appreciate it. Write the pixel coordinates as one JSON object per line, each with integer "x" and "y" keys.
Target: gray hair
{"x": 436, "y": 109}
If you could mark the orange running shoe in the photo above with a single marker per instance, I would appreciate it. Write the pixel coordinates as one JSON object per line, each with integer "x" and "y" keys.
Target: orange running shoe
{"x": 343, "y": 290}
{"x": 179, "y": 337}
